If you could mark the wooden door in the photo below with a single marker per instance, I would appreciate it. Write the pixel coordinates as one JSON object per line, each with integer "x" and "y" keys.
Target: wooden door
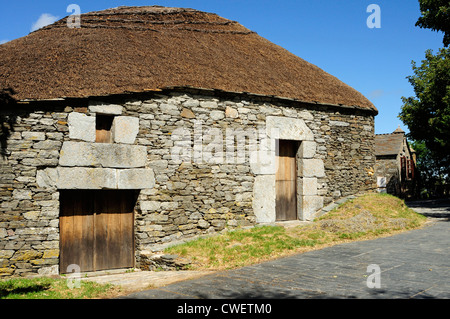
{"x": 114, "y": 224}
{"x": 286, "y": 181}
{"x": 97, "y": 229}
{"x": 76, "y": 230}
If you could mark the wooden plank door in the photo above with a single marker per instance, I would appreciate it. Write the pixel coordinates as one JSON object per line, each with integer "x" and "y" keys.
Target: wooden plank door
{"x": 97, "y": 229}
{"x": 76, "y": 230}
{"x": 286, "y": 181}
{"x": 114, "y": 235}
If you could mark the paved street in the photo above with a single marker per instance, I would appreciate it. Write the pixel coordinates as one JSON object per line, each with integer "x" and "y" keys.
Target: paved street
{"x": 414, "y": 264}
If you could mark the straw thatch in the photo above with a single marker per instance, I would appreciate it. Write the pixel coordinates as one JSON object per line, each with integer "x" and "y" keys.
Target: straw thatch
{"x": 133, "y": 49}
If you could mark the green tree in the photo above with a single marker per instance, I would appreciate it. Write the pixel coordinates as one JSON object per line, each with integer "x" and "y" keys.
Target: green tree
{"x": 430, "y": 171}
{"x": 435, "y": 16}
{"x": 427, "y": 115}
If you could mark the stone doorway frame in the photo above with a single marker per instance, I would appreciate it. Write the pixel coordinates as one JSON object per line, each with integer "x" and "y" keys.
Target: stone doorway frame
{"x": 310, "y": 168}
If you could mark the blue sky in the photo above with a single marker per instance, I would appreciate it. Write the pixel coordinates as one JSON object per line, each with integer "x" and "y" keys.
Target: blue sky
{"x": 332, "y": 34}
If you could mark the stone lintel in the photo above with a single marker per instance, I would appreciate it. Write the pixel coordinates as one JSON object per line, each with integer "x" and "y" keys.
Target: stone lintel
{"x": 103, "y": 108}
{"x": 86, "y": 178}
{"x": 96, "y": 178}
{"x": 286, "y": 128}
{"x": 106, "y": 155}
{"x": 139, "y": 178}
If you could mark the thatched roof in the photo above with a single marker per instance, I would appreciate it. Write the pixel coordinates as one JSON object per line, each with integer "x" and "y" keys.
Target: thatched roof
{"x": 134, "y": 49}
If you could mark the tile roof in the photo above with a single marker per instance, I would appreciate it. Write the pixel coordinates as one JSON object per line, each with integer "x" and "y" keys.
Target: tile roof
{"x": 388, "y": 144}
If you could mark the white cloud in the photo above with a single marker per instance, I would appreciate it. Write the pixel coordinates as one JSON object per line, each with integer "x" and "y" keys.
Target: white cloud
{"x": 44, "y": 19}
{"x": 379, "y": 93}
{"x": 3, "y": 41}
{"x": 376, "y": 94}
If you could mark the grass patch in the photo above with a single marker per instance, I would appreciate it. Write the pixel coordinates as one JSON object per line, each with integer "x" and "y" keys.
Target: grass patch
{"x": 52, "y": 288}
{"x": 366, "y": 217}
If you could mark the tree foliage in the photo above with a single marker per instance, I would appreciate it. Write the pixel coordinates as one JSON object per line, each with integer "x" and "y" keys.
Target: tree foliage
{"x": 435, "y": 16}
{"x": 427, "y": 115}
{"x": 431, "y": 170}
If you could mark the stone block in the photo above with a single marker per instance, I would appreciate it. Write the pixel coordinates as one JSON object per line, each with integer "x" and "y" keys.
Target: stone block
{"x": 309, "y": 205}
{"x": 186, "y": 113}
{"x": 110, "y": 109}
{"x": 286, "y": 128}
{"x": 51, "y": 253}
{"x": 86, "y": 178}
{"x": 306, "y": 115}
{"x": 6, "y": 254}
{"x": 102, "y": 178}
{"x": 32, "y": 215}
{"x": 339, "y": 123}
{"x": 22, "y": 194}
{"x": 47, "y": 178}
{"x": 307, "y": 149}
{"x": 311, "y": 168}
{"x": 121, "y": 156}
{"x": 46, "y": 121}
{"x": 49, "y": 271}
{"x": 203, "y": 224}
{"x": 26, "y": 255}
{"x": 264, "y": 198}
{"x": 135, "y": 178}
{"x": 231, "y": 113}
{"x": 263, "y": 162}
{"x": 150, "y": 206}
{"x": 125, "y": 129}
{"x": 33, "y": 136}
{"x": 47, "y": 145}
{"x": 191, "y": 103}
{"x": 209, "y": 104}
{"x": 307, "y": 186}
{"x": 81, "y": 127}
{"x": 170, "y": 109}
{"x": 217, "y": 115}
{"x": 102, "y": 154}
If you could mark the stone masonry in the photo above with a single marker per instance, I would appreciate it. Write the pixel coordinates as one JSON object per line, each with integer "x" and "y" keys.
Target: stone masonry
{"x": 203, "y": 162}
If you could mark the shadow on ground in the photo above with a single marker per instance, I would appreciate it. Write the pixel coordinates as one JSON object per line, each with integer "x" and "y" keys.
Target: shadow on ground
{"x": 433, "y": 208}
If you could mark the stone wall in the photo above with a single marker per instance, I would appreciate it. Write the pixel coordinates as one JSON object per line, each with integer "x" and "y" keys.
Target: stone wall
{"x": 29, "y": 233}
{"x": 208, "y": 166}
{"x": 388, "y": 175}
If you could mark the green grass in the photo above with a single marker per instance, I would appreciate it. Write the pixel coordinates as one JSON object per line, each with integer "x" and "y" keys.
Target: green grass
{"x": 366, "y": 217}
{"x": 51, "y": 288}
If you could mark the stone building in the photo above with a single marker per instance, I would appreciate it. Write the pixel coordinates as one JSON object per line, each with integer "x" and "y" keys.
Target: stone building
{"x": 147, "y": 125}
{"x": 395, "y": 166}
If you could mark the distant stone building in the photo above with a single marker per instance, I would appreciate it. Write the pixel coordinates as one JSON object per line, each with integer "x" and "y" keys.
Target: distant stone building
{"x": 395, "y": 167}
{"x": 148, "y": 125}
